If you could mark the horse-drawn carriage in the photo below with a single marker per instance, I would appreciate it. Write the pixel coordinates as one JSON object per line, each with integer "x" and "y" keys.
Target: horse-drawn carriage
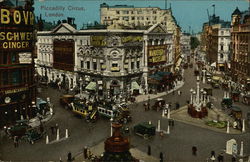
{"x": 159, "y": 104}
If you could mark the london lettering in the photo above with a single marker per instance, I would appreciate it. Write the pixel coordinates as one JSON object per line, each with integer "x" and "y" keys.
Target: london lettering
{"x": 16, "y": 17}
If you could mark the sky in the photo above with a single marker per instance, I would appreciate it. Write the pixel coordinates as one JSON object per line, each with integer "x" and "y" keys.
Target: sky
{"x": 188, "y": 13}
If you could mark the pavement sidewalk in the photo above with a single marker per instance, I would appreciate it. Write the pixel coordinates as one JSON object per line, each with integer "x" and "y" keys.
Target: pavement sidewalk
{"x": 144, "y": 97}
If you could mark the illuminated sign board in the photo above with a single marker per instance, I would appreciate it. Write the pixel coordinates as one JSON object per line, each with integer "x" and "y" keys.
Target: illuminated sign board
{"x": 129, "y": 39}
{"x": 64, "y": 54}
{"x": 157, "y": 55}
{"x": 16, "y": 29}
{"x": 98, "y": 41}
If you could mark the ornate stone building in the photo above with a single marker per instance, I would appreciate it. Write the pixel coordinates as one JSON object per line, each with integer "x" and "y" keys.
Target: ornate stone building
{"x": 106, "y": 62}
{"x": 240, "y": 34}
{"x": 17, "y": 84}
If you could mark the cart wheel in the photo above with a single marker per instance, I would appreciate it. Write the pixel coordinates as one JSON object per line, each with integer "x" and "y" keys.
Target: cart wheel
{"x": 145, "y": 136}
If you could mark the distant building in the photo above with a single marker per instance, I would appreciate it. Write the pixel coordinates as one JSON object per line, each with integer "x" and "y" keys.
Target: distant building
{"x": 17, "y": 81}
{"x": 185, "y": 44}
{"x": 240, "y": 34}
{"x": 107, "y": 62}
{"x": 216, "y": 42}
{"x": 129, "y": 16}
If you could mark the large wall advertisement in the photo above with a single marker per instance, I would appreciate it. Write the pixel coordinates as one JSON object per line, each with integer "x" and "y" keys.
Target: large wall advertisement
{"x": 100, "y": 41}
{"x": 16, "y": 30}
{"x": 157, "y": 55}
{"x": 64, "y": 54}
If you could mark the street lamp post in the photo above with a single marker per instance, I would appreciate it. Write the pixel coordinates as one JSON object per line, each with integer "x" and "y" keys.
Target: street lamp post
{"x": 191, "y": 99}
{"x": 111, "y": 130}
{"x": 80, "y": 80}
{"x": 204, "y": 76}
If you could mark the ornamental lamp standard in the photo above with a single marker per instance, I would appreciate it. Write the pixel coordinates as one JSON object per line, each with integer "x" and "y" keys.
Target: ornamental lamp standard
{"x": 204, "y": 99}
{"x": 111, "y": 122}
{"x": 191, "y": 99}
{"x": 81, "y": 82}
{"x": 194, "y": 95}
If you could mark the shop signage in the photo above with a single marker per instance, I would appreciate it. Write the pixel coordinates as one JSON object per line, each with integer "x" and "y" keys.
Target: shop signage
{"x": 16, "y": 29}
{"x": 156, "y": 55}
{"x": 15, "y": 90}
{"x": 25, "y": 58}
{"x": 16, "y": 17}
{"x": 129, "y": 39}
{"x": 64, "y": 54}
{"x": 98, "y": 41}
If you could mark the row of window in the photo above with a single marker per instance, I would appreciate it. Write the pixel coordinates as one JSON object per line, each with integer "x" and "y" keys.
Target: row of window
{"x": 137, "y": 12}
{"x": 15, "y": 77}
{"x": 113, "y": 66}
{"x": 127, "y": 18}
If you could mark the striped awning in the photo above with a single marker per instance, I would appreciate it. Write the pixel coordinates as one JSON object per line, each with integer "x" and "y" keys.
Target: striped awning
{"x": 91, "y": 86}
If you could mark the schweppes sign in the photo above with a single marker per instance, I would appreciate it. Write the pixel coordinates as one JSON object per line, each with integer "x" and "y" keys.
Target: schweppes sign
{"x": 13, "y": 16}
{"x": 16, "y": 29}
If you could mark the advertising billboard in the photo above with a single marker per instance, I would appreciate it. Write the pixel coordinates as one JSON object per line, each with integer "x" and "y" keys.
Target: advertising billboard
{"x": 157, "y": 55}
{"x": 63, "y": 54}
{"x": 16, "y": 29}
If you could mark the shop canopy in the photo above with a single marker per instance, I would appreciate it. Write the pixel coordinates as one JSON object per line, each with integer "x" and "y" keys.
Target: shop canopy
{"x": 91, "y": 86}
{"x": 135, "y": 85}
{"x": 213, "y": 64}
{"x": 158, "y": 76}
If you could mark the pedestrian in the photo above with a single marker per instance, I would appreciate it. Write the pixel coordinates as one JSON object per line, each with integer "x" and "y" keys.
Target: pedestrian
{"x": 88, "y": 153}
{"x": 194, "y": 150}
{"x": 233, "y": 159}
{"x": 69, "y": 157}
{"x": 149, "y": 150}
{"x": 85, "y": 152}
{"x": 161, "y": 157}
{"x": 179, "y": 92}
{"x": 56, "y": 127}
{"x": 220, "y": 158}
{"x": 161, "y": 134}
{"x": 52, "y": 130}
{"x": 15, "y": 141}
{"x": 172, "y": 122}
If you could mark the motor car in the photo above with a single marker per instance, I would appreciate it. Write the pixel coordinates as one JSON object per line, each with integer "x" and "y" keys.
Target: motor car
{"x": 226, "y": 102}
{"x": 145, "y": 129}
{"x": 19, "y": 129}
{"x": 33, "y": 135}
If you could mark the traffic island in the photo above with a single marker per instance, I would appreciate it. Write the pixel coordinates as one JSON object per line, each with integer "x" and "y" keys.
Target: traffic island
{"x": 216, "y": 120}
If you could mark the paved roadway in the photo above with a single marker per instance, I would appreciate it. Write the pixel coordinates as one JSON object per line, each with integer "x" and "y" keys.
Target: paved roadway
{"x": 176, "y": 146}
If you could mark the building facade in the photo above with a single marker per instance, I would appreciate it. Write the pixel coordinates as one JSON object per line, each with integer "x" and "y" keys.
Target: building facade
{"x": 131, "y": 16}
{"x": 17, "y": 84}
{"x": 240, "y": 34}
{"x": 107, "y": 62}
{"x": 119, "y": 16}
{"x": 185, "y": 44}
{"x": 216, "y": 43}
